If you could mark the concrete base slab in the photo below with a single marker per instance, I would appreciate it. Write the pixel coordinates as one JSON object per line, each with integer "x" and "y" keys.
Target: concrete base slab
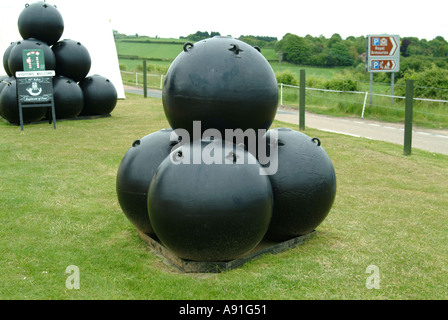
{"x": 188, "y": 266}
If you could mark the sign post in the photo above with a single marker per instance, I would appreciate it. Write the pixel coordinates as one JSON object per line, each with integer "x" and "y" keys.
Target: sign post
{"x": 383, "y": 55}
{"x": 35, "y": 84}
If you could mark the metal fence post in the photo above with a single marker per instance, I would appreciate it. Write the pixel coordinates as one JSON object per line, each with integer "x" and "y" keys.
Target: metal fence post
{"x": 408, "y": 117}
{"x": 392, "y": 89}
{"x": 145, "y": 89}
{"x": 302, "y": 100}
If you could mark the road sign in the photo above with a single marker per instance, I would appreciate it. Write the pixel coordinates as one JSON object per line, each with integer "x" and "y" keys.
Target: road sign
{"x": 383, "y": 46}
{"x": 383, "y": 53}
{"x": 386, "y": 65}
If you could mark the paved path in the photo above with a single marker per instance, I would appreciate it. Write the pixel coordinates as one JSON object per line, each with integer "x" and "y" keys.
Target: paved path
{"x": 425, "y": 139}
{"x": 150, "y": 92}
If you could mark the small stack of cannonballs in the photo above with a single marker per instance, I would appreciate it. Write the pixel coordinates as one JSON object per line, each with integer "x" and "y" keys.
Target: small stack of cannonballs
{"x": 75, "y": 94}
{"x": 201, "y": 193}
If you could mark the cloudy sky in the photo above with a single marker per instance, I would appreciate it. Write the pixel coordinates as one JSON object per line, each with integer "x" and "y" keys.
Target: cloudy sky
{"x": 174, "y": 18}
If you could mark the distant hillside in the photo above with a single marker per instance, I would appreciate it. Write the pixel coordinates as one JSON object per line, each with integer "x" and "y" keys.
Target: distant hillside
{"x": 158, "y": 49}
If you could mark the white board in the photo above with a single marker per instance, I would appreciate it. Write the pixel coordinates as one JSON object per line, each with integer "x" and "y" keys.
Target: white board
{"x": 84, "y": 21}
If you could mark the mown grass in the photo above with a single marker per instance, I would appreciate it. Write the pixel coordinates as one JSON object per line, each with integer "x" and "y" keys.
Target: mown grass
{"x": 150, "y": 50}
{"x": 58, "y": 207}
{"x": 164, "y": 49}
{"x": 433, "y": 115}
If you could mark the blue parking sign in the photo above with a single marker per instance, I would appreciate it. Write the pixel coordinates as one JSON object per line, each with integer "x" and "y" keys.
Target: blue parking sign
{"x": 376, "y": 41}
{"x": 375, "y": 65}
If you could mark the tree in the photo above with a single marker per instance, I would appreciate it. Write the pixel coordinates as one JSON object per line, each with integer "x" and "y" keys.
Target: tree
{"x": 295, "y": 49}
{"x": 335, "y": 38}
{"x": 341, "y": 54}
{"x": 200, "y": 35}
{"x": 405, "y": 42}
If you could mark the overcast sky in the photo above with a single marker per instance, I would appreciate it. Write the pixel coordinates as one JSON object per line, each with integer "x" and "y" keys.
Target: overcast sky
{"x": 174, "y": 18}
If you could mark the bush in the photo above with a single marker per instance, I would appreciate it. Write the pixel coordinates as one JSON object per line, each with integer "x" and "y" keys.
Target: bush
{"x": 428, "y": 83}
{"x": 341, "y": 85}
{"x": 153, "y": 68}
{"x": 315, "y": 82}
{"x": 287, "y": 77}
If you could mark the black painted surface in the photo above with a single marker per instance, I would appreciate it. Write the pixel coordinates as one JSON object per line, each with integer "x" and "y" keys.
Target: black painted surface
{"x": 210, "y": 212}
{"x": 304, "y": 185}
{"x": 223, "y": 87}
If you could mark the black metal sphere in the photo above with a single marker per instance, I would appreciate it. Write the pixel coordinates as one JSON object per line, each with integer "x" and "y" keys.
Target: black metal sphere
{"x": 42, "y": 21}
{"x": 72, "y": 59}
{"x": 4, "y": 80}
{"x": 9, "y": 107}
{"x": 6, "y": 57}
{"x": 222, "y": 82}
{"x": 100, "y": 95}
{"x": 68, "y": 98}
{"x": 15, "y": 59}
{"x": 135, "y": 174}
{"x": 304, "y": 185}
{"x": 210, "y": 210}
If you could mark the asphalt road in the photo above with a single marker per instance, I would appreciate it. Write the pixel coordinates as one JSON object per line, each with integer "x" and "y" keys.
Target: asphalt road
{"x": 150, "y": 92}
{"x": 425, "y": 139}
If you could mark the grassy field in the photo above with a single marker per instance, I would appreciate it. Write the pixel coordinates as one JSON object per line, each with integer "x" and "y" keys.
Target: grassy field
{"x": 161, "y": 52}
{"x": 150, "y": 50}
{"x": 164, "y": 49}
{"x": 433, "y": 115}
{"x": 58, "y": 207}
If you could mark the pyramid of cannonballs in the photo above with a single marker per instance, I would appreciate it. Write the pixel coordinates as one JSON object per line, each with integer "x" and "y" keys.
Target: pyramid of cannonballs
{"x": 201, "y": 193}
{"x": 74, "y": 92}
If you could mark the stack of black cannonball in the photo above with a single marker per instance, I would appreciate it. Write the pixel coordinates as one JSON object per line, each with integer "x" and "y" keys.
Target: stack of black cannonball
{"x": 219, "y": 210}
{"x": 41, "y": 26}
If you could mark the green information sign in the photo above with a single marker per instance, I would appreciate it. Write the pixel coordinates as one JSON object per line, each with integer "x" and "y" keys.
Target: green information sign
{"x": 33, "y": 59}
{"x": 35, "y": 89}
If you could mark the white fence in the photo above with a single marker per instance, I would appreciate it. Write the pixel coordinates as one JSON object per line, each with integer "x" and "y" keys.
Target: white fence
{"x": 139, "y": 75}
{"x": 156, "y": 81}
{"x": 364, "y": 94}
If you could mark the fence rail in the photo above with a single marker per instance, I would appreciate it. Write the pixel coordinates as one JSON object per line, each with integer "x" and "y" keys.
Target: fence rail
{"x": 138, "y": 75}
{"x": 350, "y": 102}
{"x": 365, "y": 95}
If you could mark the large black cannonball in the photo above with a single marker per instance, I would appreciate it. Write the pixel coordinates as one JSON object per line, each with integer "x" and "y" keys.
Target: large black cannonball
{"x": 6, "y": 57}
{"x": 15, "y": 59}
{"x": 42, "y": 21}
{"x": 135, "y": 174}
{"x": 68, "y": 98}
{"x": 304, "y": 184}
{"x": 212, "y": 208}
{"x": 9, "y": 108}
{"x": 222, "y": 82}
{"x": 100, "y": 95}
{"x": 4, "y": 80}
{"x": 72, "y": 59}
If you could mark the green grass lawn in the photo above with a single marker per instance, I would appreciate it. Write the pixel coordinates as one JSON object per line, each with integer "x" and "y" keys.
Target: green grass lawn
{"x": 58, "y": 207}
{"x": 150, "y": 50}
